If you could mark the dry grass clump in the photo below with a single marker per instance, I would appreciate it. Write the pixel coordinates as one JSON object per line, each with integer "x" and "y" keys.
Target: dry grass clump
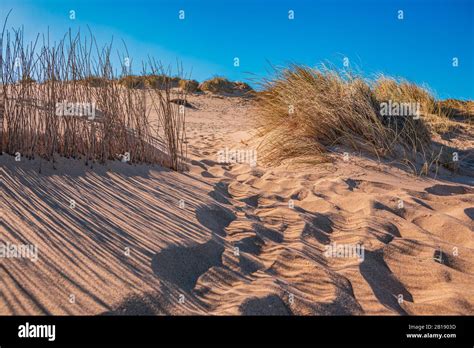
{"x": 161, "y": 81}
{"x": 221, "y": 85}
{"x": 412, "y": 130}
{"x": 217, "y": 85}
{"x": 190, "y": 86}
{"x": 437, "y": 114}
{"x": 454, "y": 108}
{"x": 304, "y": 111}
{"x": 399, "y": 90}
{"x": 94, "y": 81}
{"x": 242, "y": 86}
{"x": 79, "y": 108}
{"x": 134, "y": 82}
{"x": 152, "y": 81}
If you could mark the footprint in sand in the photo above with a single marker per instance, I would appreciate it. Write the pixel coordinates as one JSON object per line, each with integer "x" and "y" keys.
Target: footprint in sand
{"x": 385, "y": 286}
{"x": 220, "y": 193}
{"x": 268, "y": 305}
{"x": 448, "y": 190}
{"x": 183, "y": 265}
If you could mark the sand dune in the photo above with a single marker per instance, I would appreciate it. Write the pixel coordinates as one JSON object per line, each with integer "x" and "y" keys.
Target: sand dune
{"x": 248, "y": 239}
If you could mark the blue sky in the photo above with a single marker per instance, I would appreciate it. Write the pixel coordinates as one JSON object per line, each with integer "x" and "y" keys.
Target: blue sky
{"x": 420, "y": 47}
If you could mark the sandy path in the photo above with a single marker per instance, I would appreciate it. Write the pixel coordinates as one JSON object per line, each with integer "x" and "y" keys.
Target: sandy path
{"x": 248, "y": 240}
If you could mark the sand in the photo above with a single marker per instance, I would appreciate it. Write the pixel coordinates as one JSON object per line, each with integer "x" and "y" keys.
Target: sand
{"x": 230, "y": 239}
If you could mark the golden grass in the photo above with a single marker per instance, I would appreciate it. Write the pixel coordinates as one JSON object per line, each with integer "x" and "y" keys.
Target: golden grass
{"x": 399, "y": 90}
{"x": 93, "y": 81}
{"x": 221, "y": 85}
{"x": 217, "y": 85}
{"x": 190, "y": 86}
{"x": 302, "y": 112}
{"x": 453, "y": 108}
{"x": 152, "y": 81}
{"x": 437, "y": 115}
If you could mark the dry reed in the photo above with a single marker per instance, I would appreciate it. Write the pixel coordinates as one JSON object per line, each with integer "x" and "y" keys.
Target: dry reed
{"x": 40, "y": 78}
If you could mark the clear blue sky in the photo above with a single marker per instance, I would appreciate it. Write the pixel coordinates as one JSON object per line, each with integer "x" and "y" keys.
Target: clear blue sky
{"x": 420, "y": 47}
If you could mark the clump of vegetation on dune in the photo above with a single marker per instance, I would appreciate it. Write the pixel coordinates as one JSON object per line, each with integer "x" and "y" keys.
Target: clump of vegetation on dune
{"x": 437, "y": 113}
{"x": 217, "y": 85}
{"x": 453, "y": 108}
{"x": 131, "y": 81}
{"x": 190, "y": 86}
{"x": 151, "y": 81}
{"x": 242, "y": 87}
{"x": 303, "y": 112}
{"x": 93, "y": 81}
{"x": 399, "y": 90}
{"x": 435, "y": 117}
{"x": 221, "y": 85}
{"x": 161, "y": 81}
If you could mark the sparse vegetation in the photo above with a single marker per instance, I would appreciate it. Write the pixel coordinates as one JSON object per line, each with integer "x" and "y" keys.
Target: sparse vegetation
{"x": 93, "y": 81}
{"x": 73, "y": 71}
{"x": 453, "y": 108}
{"x": 161, "y": 81}
{"x": 133, "y": 82}
{"x": 190, "y": 86}
{"x": 242, "y": 87}
{"x": 221, "y": 85}
{"x": 217, "y": 85}
{"x": 150, "y": 81}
